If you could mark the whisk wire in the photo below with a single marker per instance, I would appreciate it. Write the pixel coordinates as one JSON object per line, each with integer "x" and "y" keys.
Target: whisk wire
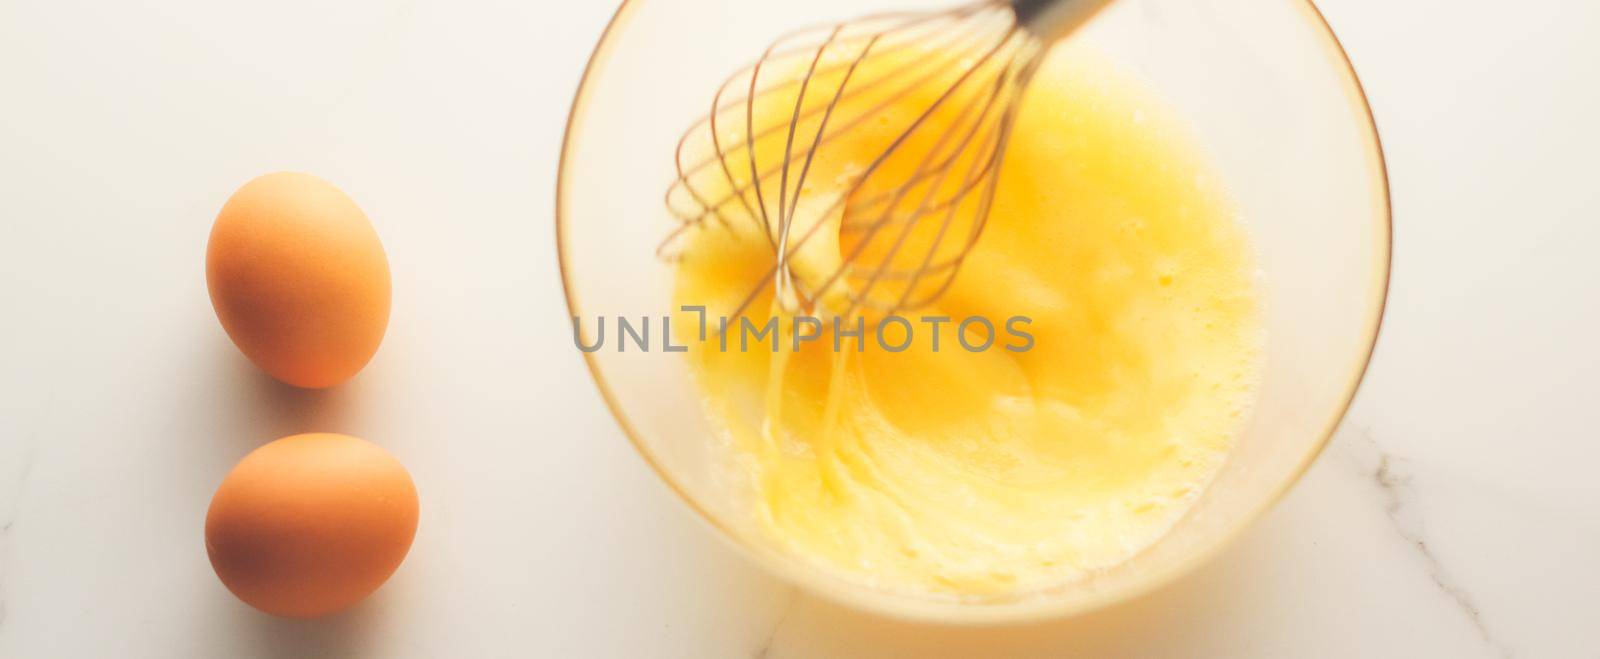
{"x": 719, "y": 151}
{"x": 902, "y": 191}
{"x": 836, "y": 276}
{"x": 904, "y": 230}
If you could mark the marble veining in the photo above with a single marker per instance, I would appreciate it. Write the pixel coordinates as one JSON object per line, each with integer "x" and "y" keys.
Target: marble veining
{"x": 766, "y": 648}
{"x": 1395, "y": 480}
{"x": 8, "y": 523}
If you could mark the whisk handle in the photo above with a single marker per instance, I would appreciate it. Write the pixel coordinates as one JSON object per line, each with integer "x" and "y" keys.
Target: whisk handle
{"x": 1053, "y": 19}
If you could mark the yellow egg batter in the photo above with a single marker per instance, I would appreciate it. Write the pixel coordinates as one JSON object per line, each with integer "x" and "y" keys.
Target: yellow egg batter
{"x": 999, "y": 473}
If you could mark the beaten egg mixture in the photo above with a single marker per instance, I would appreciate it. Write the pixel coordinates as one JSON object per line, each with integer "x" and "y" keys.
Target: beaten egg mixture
{"x": 1001, "y": 472}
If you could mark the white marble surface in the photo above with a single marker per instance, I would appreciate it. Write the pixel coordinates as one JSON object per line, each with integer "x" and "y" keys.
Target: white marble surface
{"x": 1457, "y": 513}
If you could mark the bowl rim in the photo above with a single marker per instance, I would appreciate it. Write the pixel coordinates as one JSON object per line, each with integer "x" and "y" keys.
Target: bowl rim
{"x": 859, "y": 597}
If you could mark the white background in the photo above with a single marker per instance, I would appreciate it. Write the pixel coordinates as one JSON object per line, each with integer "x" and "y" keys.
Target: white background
{"x": 1456, "y": 514}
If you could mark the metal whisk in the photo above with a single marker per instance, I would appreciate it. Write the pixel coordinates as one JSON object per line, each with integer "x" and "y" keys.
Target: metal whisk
{"x": 929, "y": 98}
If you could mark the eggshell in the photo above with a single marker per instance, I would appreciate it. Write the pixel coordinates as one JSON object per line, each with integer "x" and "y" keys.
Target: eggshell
{"x": 299, "y": 279}
{"x": 311, "y": 524}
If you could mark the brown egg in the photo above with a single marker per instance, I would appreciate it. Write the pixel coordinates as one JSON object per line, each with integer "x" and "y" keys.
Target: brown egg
{"x": 310, "y": 524}
{"x": 299, "y": 279}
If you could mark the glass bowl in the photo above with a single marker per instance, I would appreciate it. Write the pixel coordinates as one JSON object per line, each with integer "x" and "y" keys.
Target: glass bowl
{"x": 1269, "y": 95}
